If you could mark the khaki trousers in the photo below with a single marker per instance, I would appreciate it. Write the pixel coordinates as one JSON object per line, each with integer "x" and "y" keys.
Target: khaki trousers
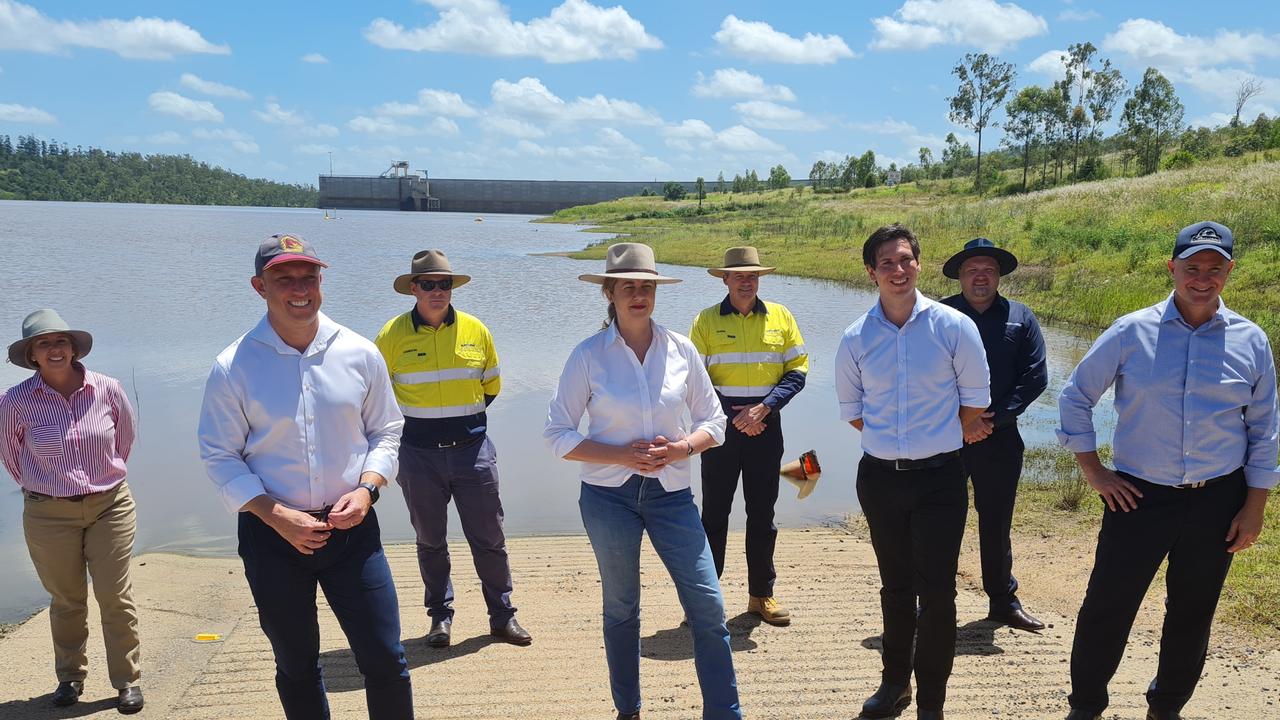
{"x": 66, "y": 536}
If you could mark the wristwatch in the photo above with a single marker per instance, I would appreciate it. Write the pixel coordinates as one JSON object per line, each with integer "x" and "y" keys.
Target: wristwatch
{"x": 373, "y": 492}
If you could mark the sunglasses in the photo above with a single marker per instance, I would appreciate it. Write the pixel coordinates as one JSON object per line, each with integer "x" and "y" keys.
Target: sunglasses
{"x": 429, "y": 285}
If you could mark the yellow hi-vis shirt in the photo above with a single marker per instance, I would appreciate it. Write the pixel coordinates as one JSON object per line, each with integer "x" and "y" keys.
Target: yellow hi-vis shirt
{"x": 746, "y": 356}
{"x": 440, "y": 372}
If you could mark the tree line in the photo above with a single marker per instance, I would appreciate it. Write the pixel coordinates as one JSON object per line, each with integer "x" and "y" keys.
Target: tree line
{"x": 33, "y": 169}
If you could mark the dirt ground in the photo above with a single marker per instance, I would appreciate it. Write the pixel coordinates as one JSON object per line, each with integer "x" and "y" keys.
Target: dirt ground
{"x": 823, "y": 666}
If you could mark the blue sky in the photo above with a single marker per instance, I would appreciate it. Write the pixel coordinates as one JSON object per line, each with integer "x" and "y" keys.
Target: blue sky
{"x": 574, "y": 89}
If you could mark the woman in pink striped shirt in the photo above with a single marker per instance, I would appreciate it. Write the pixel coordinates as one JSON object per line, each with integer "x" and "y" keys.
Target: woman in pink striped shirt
{"x": 65, "y": 435}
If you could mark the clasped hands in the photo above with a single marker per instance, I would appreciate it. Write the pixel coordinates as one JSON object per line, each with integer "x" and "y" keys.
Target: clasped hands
{"x": 980, "y": 428}
{"x": 647, "y": 457}
{"x": 308, "y": 534}
{"x": 750, "y": 418}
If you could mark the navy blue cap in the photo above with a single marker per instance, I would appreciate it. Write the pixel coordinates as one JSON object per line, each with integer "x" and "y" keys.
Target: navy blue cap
{"x": 1206, "y": 235}
{"x": 979, "y": 247}
{"x": 284, "y": 248}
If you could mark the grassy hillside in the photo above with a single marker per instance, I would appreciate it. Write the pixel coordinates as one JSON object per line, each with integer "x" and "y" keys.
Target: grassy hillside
{"x": 1088, "y": 252}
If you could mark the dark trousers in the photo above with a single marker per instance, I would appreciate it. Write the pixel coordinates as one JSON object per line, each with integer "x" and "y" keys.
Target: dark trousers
{"x": 757, "y": 460}
{"x": 994, "y": 465}
{"x": 1189, "y": 526}
{"x": 467, "y": 474}
{"x": 917, "y": 523}
{"x": 352, "y": 571}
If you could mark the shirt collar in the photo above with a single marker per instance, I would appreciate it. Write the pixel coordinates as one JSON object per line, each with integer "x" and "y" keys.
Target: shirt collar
{"x": 267, "y": 335}
{"x": 727, "y": 308}
{"x": 921, "y": 305}
{"x": 1170, "y": 311}
{"x": 42, "y": 386}
{"x": 1000, "y": 301}
{"x": 449, "y": 318}
{"x": 611, "y": 334}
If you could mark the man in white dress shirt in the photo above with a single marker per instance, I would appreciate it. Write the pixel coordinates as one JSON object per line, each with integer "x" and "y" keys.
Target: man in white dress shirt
{"x": 299, "y": 431}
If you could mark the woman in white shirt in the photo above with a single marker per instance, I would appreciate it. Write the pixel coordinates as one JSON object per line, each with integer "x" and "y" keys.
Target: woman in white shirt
{"x": 634, "y": 379}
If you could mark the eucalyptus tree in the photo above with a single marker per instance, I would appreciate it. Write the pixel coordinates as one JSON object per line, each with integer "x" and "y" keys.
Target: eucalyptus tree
{"x": 1023, "y": 121}
{"x": 984, "y": 82}
{"x": 1152, "y": 116}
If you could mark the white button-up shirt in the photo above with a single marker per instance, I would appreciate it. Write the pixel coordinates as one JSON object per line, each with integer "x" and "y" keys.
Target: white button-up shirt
{"x": 907, "y": 384}
{"x": 300, "y": 427}
{"x": 626, "y": 400}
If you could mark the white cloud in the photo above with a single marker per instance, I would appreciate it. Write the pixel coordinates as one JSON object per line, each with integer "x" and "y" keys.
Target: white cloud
{"x": 380, "y": 126}
{"x": 399, "y": 109}
{"x": 683, "y": 136}
{"x": 208, "y": 87}
{"x": 511, "y": 126}
{"x": 1071, "y": 15}
{"x": 319, "y": 130}
{"x": 530, "y": 98}
{"x": 1151, "y": 42}
{"x": 1052, "y": 63}
{"x": 696, "y": 134}
{"x": 274, "y": 114}
{"x": 171, "y": 103}
{"x": 772, "y": 116}
{"x": 758, "y": 40}
{"x": 315, "y": 59}
{"x": 888, "y": 126}
{"x": 168, "y": 137}
{"x": 985, "y": 24}
{"x": 443, "y": 126}
{"x": 575, "y": 31}
{"x": 611, "y": 138}
{"x": 313, "y": 149}
{"x": 23, "y": 27}
{"x": 238, "y": 141}
{"x": 23, "y": 114}
{"x": 443, "y": 102}
{"x": 739, "y": 139}
{"x": 734, "y": 83}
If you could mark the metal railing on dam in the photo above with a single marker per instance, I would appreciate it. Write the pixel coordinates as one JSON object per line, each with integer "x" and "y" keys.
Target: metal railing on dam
{"x": 532, "y": 197}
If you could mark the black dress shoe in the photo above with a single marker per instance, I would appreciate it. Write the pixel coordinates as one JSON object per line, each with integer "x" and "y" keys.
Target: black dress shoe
{"x": 512, "y": 633}
{"x": 887, "y": 702}
{"x": 439, "y": 634}
{"x": 68, "y": 693}
{"x": 130, "y": 700}
{"x": 629, "y": 716}
{"x": 1083, "y": 715}
{"x": 1017, "y": 618}
{"x": 1154, "y": 714}
{"x": 928, "y": 714}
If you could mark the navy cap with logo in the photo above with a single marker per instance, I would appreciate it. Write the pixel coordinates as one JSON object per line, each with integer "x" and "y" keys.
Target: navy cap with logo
{"x": 282, "y": 248}
{"x": 1205, "y": 235}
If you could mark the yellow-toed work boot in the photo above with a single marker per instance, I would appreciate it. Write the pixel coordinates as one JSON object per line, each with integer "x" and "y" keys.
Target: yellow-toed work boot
{"x": 769, "y": 610}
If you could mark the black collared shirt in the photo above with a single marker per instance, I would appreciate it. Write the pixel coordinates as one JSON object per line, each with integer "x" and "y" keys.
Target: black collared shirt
{"x": 1015, "y": 353}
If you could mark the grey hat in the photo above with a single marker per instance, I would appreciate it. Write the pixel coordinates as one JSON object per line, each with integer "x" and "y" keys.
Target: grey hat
{"x": 741, "y": 259}
{"x": 46, "y": 322}
{"x": 427, "y": 262}
{"x": 629, "y": 261}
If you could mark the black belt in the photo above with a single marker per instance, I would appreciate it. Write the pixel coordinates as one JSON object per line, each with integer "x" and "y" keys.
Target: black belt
{"x": 464, "y": 442}
{"x": 1187, "y": 486}
{"x": 929, "y": 463}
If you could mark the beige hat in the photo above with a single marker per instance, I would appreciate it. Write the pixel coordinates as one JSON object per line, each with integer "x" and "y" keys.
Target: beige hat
{"x": 629, "y": 261}
{"x": 428, "y": 262}
{"x": 45, "y": 322}
{"x": 741, "y": 259}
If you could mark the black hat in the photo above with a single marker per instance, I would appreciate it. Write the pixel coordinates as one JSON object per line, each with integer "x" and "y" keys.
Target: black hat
{"x": 1204, "y": 235}
{"x": 284, "y": 248}
{"x": 974, "y": 248}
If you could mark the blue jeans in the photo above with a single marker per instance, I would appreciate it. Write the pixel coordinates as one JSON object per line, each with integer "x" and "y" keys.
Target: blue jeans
{"x": 615, "y": 519}
{"x": 353, "y": 572}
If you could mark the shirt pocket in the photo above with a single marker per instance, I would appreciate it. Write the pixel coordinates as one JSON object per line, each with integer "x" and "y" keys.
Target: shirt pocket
{"x": 469, "y": 355}
{"x": 46, "y": 441}
{"x": 1012, "y": 333}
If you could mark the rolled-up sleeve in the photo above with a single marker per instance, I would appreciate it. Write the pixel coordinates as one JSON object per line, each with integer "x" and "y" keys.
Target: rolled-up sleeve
{"x": 1262, "y": 423}
{"x": 1091, "y": 378}
{"x": 10, "y": 437}
{"x": 568, "y": 404}
{"x": 223, "y": 432}
{"x": 848, "y": 381}
{"x": 973, "y": 377}
{"x": 700, "y": 395}
{"x": 383, "y": 422}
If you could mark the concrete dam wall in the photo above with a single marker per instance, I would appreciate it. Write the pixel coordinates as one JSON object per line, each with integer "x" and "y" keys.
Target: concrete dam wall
{"x": 532, "y": 197}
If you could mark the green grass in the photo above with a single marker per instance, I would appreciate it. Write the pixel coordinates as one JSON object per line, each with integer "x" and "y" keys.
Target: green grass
{"x": 1088, "y": 252}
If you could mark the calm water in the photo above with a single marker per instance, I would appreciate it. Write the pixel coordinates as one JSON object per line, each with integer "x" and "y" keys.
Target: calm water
{"x": 164, "y": 288}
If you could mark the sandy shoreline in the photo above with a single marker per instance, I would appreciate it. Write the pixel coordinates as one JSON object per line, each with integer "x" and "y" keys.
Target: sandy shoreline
{"x": 821, "y": 667}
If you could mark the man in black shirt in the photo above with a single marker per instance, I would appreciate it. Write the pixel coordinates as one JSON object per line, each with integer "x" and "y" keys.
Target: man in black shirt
{"x": 1015, "y": 354}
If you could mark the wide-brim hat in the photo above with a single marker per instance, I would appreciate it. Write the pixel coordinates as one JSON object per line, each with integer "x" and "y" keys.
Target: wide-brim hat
{"x": 629, "y": 261}
{"x": 46, "y": 322}
{"x": 741, "y": 259}
{"x": 979, "y": 247}
{"x": 428, "y": 262}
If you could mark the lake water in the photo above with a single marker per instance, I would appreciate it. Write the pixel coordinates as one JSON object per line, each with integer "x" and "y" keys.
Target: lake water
{"x": 164, "y": 288}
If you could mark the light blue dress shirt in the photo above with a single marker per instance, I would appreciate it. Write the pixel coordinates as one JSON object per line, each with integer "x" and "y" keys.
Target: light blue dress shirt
{"x": 907, "y": 384}
{"x": 1193, "y": 403}
{"x": 300, "y": 427}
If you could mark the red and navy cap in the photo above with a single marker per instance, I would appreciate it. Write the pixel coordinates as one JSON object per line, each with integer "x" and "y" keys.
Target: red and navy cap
{"x": 284, "y": 248}
{"x": 1204, "y": 235}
